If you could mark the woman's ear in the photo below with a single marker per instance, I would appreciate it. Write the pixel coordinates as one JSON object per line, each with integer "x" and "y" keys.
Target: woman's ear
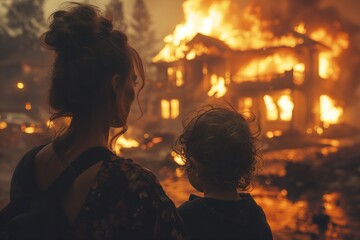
{"x": 115, "y": 82}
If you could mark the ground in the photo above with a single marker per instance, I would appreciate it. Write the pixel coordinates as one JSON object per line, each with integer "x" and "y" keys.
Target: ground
{"x": 307, "y": 192}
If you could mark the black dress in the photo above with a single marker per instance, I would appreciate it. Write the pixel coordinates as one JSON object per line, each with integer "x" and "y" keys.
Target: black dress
{"x": 207, "y": 218}
{"x": 126, "y": 201}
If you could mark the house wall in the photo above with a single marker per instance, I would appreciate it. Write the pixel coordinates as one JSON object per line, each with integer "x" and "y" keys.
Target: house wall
{"x": 305, "y": 93}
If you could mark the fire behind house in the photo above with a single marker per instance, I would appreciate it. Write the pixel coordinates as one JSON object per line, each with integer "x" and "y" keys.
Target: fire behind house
{"x": 221, "y": 52}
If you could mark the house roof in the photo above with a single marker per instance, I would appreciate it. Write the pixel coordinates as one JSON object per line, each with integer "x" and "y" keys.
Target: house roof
{"x": 209, "y": 42}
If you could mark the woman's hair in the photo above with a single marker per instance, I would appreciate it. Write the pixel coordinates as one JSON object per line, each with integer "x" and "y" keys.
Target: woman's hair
{"x": 88, "y": 53}
{"x": 220, "y": 139}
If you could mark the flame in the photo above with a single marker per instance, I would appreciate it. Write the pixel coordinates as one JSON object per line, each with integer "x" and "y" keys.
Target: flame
{"x": 177, "y": 158}
{"x": 300, "y": 28}
{"x": 328, "y": 68}
{"x": 28, "y": 130}
{"x": 264, "y": 68}
{"x": 197, "y": 50}
{"x": 241, "y": 29}
{"x": 123, "y": 142}
{"x": 176, "y": 74}
{"x": 271, "y": 109}
{"x": 329, "y": 113}
{"x": 286, "y": 106}
{"x": 218, "y": 88}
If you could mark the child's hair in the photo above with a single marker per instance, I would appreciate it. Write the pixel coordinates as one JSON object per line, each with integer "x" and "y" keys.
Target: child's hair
{"x": 220, "y": 139}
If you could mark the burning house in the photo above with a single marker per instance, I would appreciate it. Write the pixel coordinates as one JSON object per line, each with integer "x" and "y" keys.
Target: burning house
{"x": 288, "y": 81}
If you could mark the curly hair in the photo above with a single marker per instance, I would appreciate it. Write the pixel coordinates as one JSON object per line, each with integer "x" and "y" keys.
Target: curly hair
{"x": 220, "y": 139}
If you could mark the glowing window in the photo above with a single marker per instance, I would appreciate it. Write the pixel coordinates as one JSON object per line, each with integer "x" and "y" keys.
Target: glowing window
{"x": 170, "y": 109}
{"x": 281, "y": 109}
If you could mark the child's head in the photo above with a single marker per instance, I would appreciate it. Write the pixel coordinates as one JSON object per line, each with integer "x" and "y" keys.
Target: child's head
{"x": 219, "y": 148}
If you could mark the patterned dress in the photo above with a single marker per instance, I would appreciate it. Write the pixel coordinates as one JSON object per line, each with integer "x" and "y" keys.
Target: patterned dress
{"x": 126, "y": 201}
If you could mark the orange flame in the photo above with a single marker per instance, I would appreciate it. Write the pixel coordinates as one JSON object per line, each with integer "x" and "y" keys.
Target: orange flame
{"x": 177, "y": 158}
{"x": 123, "y": 142}
{"x": 284, "y": 105}
{"x": 218, "y": 88}
{"x": 328, "y": 68}
{"x": 329, "y": 113}
{"x": 241, "y": 29}
{"x": 273, "y": 64}
{"x": 271, "y": 109}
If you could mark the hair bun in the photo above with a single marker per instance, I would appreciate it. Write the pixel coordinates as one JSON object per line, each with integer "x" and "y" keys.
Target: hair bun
{"x": 76, "y": 27}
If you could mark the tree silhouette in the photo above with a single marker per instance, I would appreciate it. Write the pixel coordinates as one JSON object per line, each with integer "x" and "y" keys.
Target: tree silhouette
{"x": 142, "y": 36}
{"x": 26, "y": 20}
{"x": 114, "y": 11}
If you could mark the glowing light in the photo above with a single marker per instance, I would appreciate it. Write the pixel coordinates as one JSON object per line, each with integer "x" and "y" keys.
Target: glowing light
{"x": 179, "y": 172}
{"x": 263, "y": 68}
{"x": 286, "y": 107}
{"x": 123, "y": 142}
{"x": 218, "y": 88}
{"x": 284, "y": 192}
{"x": 28, "y": 130}
{"x": 277, "y": 133}
{"x": 179, "y": 78}
{"x": 20, "y": 85}
{"x": 28, "y": 106}
{"x": 3, "y": 125}
{"x": 49, "y": 124}
{"x": 170, "y": 108}
{"x": 174, "y": 104}
{"x": 269, "y": 134}
{"x": 271, "y": 109}
{"x": 328, "y": 68}
{"x": 329, "y": 113}
{"x": 157, "y": 140}
{"x": 170, "y": 72}
{"x": 165, "y": 109}
{"x": 178, "y": 158}
{"x": 299, "y": 76}
{"x": 319, "y": 131}
{"x": 300, "y": 28}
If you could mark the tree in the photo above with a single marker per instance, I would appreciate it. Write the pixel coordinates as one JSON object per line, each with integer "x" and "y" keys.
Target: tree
{"x": 142, "y": 36}
{"x": 26, "y": 20}
{"x": 114, "y": 11}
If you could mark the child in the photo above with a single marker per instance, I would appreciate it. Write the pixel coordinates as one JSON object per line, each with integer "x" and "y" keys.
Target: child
{"x": 220, "y": 157}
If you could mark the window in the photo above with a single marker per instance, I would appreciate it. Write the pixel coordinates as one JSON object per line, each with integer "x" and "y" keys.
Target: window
{"x": 170, "y": 108}
{"x": 281, "y": 109}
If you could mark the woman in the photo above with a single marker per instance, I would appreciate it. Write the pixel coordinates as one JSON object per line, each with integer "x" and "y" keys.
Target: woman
{"x": 93, "y": 82}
